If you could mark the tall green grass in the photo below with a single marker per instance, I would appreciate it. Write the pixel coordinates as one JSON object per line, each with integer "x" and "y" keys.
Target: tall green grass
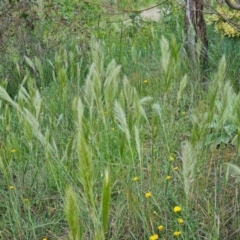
{"x": 126, "y": 151}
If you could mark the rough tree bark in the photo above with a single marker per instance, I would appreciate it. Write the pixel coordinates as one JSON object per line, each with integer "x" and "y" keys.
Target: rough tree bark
{"x": 195, "y": 32}
{"x": 195, "y": 29}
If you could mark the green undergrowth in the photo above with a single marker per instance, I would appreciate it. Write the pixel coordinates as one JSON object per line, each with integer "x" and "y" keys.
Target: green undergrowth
{"x": 124, "y": 142}
{"x": 99, "y": 157}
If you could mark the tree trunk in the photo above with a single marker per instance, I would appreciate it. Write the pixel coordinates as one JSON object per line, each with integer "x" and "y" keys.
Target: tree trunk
{"x": 196, "y": 36}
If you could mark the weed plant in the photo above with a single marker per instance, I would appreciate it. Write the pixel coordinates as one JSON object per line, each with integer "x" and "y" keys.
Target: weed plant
{"x": 120, "y": 151}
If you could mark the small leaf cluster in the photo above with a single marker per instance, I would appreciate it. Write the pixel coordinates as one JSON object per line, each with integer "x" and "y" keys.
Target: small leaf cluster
{"x": 225, "y": 21}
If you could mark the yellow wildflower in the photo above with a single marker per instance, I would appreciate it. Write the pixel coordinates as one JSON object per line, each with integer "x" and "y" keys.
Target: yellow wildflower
{"x": 171, "y": 158}
{"x": 44, "y": 238}
{"x": 11, "y": 187}
{"x": 168, "y": 177}
{"x": 160, "y": 228}
{"x": 183, "y": 113}
{"x": 135, "y": 179}
{"x": 13, "y": 151}
{"x": 175, "y": 168}
{"x": 148, "y": 194}
{"x": 180, "y": 220}
{"x": 176, "y": 233}
{"x": 154, "y": 237}
{"x": 177, "y": 209}
{"x": 145, "y": 81}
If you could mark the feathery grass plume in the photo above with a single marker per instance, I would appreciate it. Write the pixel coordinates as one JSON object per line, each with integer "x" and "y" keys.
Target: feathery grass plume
{"x": 111, "y": 84}
{"x": 97, "y": 56}
{"x": 97, "y": 85}
{"x": 54, "y": 146}
{"x": 37, "y": 103}
{"x": 235, "y": 170}
{"x": 85, "y": 158}
{"x": 65, "y": 58}
{"x": 204, "y": 115}
{"x": 31, "y": 84}
{"x": 4, "y": 95}
{"x": 28, "y": 116}
{"x": 23, "y": 97}
{"x": 142, "y": 102}
{"x": 215, "y": 89}
{"x": 34, "y": 101}
{"x": 72, "y": 65}
{"x": 225, "y": 103}
{"x": 236, "y": 119}
{"x": 212, "y": 96}
{"x": 133, "y": 107}
{"x": 127, "y": 91}
{"x": 134, "y": 54}
{"x": 175, "y": 48}
{"x": 39, "y": 67}
{"x": 60, "y": 73}
{"x": 47, "y": 150}
{"x": 121, "y": 99}
{"x": 189, "y": 160}
{"x": 59, "y": 59}
{"x": 30, "y": 63}
{"x": 89, "y": 93}
{"x": 166, "y": 63}
{"x": 33, "y": 122}
{"x": 18, "y": 70}
{"x": 130, "y": 100}
{"x": 72, "y": 215}
{"x": 105, "y": 200}
{"x": 220, "y": 75}
{"x": 121, "y": 120}
{"x": 80, "y": 111}
{"x": 62, "y": 80}
{"x": 183, "y": 84}
{"x": 165, "y": 59}
{"x": 86, "y": 169}
{"x": 112, "y": 73}
{"x": 68, "y": 151}
{"x": 220, "y": 90}
{"x": 28, "y": 132}
{"x": 200, "y": 124}
{"x": 78, "y": 73}
{"x": 220, "y": 103}
{"x": 145, "y": 100}
{"x": 157, "y": 109}
{"x": 138, "y": 145}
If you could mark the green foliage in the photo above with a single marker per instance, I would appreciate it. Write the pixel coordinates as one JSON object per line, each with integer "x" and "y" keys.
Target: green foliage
{"x": 72, "y": 215}
{"x": 39, "y": 29}
{"x": 225, "y": 21}
{"x": 105, "y": 201}
{"x": 120, "y": 140}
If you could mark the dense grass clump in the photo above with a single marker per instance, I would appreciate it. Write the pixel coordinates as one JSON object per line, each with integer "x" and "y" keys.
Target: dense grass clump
{"x": 121, "y": 142}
